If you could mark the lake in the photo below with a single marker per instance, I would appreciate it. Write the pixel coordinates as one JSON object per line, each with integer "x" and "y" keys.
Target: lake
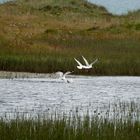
{"x": 39, "y": 95}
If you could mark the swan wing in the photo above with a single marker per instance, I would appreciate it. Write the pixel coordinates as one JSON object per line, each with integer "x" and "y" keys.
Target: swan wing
{"x": 68, "y": 72}
{"x": 78, "y": 62}
{"x": 86, "y": 62}
{"x": 94, "y": 61}
{"x": 59, "y": 74}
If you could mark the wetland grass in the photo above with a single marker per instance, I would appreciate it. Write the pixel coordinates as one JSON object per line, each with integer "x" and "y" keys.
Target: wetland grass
{"x": 116, "y": 57}
{"x": 45, "y": 36}
{"x": 122, "y": 123}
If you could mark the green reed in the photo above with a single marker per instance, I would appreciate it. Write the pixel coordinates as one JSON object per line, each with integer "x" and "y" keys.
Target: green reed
{"x": 120, "y": 122}
{"x": 45, "y": 36}
{"x": 116, "y": 57}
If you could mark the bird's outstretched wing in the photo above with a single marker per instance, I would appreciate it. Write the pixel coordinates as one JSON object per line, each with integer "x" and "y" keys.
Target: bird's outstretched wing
{"x": 78, "y": 62}
{"x": 86, "y": 62}
{"x": 68, "y": 72}
{"x": 94, "y": 61}
{"x": 59, "y": 74}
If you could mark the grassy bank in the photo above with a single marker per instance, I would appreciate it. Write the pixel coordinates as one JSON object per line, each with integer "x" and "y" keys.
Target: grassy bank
{"x": 123, "y": 123}
{"x": 45, "y": 36}
{"x": 113, "y": 58}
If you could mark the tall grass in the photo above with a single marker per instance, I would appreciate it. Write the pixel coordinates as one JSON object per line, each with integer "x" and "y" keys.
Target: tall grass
{"x": 116, "y": 57}
{"x": 35, "y": 40}
{"x": 122, "y": 123}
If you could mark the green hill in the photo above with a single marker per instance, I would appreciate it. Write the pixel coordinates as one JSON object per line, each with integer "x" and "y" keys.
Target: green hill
{"x": 35, "y": 35}
{"x": 62, "y": 6}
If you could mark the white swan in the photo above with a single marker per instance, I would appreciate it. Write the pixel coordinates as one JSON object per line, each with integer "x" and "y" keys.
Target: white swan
{"x": 62, "y": 76}
{"x": 87, "y": 65}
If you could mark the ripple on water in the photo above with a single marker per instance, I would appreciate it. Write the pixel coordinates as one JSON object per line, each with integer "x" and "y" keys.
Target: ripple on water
{"x": 41, "y": 95}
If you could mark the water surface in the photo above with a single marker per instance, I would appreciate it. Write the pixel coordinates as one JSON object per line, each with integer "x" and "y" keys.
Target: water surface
{"x": 46, "y": 94}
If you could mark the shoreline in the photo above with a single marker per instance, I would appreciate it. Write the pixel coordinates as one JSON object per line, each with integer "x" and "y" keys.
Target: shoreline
{"x": 12, "y": 74}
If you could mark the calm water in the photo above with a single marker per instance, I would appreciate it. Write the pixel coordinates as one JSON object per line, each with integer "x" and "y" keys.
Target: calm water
{"x": 41, "y": 95}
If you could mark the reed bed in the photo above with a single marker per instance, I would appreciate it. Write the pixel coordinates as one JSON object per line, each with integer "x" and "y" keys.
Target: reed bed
{"x": 45, "y": 36}
{"x": 122, "y": 122}
{"x": 116, "y": 57}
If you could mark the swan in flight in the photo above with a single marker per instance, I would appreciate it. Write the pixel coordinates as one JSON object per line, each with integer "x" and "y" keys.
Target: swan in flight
{"x": 62, "y": 76}
{"x": 87, "y": 65}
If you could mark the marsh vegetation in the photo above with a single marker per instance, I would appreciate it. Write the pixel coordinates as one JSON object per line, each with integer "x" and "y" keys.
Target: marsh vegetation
{"x": 122, "y": 122}
{"x": 45, "y": 36}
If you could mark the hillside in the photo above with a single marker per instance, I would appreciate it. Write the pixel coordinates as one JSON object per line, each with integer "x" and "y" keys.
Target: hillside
{"x": 50, "y": 31}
